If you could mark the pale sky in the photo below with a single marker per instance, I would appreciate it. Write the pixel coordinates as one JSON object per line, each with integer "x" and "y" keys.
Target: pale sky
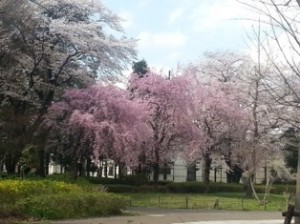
{"x": 172, "y": 31}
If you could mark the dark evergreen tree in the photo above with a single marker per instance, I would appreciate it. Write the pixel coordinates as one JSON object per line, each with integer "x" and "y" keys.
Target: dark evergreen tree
{"x": 140, "y": 68}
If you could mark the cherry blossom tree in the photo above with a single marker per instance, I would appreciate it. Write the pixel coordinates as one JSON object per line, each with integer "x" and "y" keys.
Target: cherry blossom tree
{"x": 49, "y": 45}
{"x": 253, "y": 154}
{"x": 222, "y": 66}
{"x": 168, "y": 102}
{"x": 225, "y": 67}
{"x": 221, "y": 120}
{"x": 261, "y": 78}
{"x": 278, "y": 41}
{"x": 100, "y": 121}
{"x": 281, "y": 47}
{"x": 247, "y": 77}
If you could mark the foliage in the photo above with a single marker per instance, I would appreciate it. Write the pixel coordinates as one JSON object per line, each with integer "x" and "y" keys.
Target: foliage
{"x": 290, "y": 140}
{"x": 46, "y": 47}
{"x": 140, "y": 68}
{"x": 251, "y": 141}
{"x": 218, "y": 116}
{"x": 279, "y": 44}
{"x": 133, "y": 180}
{"x": 198, "y": 187}
{"x": 71, "y": 205}
{"x": 99, "y": 120}
{"x": 53, "y": 200}
{"x": 58, "y": 43}
{"x": 13, "y": 190}
{"x": 118, "y": 188}
{"x": 15, "y": 116}
{"x": 169, "y": 106}
{"x": 29, "y": 158}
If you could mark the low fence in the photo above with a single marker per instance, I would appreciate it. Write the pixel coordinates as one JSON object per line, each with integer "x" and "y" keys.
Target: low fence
{"x": 215, "y": 203}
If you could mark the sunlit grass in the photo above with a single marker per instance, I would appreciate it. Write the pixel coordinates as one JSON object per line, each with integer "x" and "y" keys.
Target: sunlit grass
{"x": 224, "y": 201}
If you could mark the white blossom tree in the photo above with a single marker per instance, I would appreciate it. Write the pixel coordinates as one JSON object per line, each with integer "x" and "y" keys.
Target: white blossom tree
{"x": 47, "y": 46}
{"x": 51, "y": 43}
{"x": 248, "y": 77}
{"x": 281, "y": 46}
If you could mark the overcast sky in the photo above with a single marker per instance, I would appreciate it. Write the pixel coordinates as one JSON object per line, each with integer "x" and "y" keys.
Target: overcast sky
{"x": 171, "y": 31}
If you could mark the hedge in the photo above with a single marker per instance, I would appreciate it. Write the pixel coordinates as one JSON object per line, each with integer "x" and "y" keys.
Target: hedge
{"x": 126, "y": 180}
{"x": 73, "y": 205}
{"x": 196, "y": 187}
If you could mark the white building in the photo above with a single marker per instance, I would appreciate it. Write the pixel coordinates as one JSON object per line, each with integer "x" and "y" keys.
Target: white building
{"x": 179, "y": 171}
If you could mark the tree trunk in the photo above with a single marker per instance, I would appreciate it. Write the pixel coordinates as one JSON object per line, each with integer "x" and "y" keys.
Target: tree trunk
{"x": 156, "y": 166}
{"x": 206, "y": 172}
{"x": 155, "y": 173}
{"x": 81, "y": 167}
{"x": 74, "y": 171}
{"x": 121, "y": 170}
{"x": 88, "y": 167}
{"x": 165, "y": 171}
{"x": 297, "y": 196}
{"x": 235, "y": 175}
{"x": 10, "y": 164}
{"x": 100, "y": 169}
{"x": 47, "y": 162}
{"x": 105, "y": 169}
{"x": 74, "y": 168}
{"x": 115, "y": 171}
{"x": 41, "y": 169}
{"x": 248, "y": 187}
{"x": 191, "y": 172}
{"x": 248, "y": 193}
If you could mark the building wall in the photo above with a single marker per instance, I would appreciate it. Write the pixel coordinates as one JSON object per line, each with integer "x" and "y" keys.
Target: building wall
{"x": 178, "y": 172}
{"x": 217, "y": 173}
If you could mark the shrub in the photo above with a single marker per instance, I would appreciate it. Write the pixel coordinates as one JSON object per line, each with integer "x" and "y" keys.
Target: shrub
{"x": 12, "y": 190}
{"x": 72, "y": 205}
{"x": 199, "y": 187}
{"x": 226, "y": 187}
{"x": 282, "y": 188}
{"x": 152, "y": 188}
{"x": 105, "y": 181}
{"x": 68, "y": 178}
{"x": 186, "y": 187}
{"x": 54, "y": 200}
{"x": 134, "y": 180}
{"x": 121, "y": 188}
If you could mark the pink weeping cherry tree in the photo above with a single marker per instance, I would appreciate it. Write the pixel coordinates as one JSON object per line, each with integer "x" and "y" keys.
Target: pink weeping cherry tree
{"x": 169, "y": 104}
{"x": 101, "y": 121}
{"x": 221, "y": 121}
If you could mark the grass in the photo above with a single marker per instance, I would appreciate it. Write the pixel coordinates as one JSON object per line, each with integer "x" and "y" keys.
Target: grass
{"x": 224, "y": 201}
{"x": 60, "y": 197}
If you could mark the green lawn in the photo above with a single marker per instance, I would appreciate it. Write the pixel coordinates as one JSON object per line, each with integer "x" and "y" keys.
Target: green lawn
{"x": 226, "y": 201}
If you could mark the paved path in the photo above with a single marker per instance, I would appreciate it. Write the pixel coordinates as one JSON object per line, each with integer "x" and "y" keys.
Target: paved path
{"x": 183, "y": 216}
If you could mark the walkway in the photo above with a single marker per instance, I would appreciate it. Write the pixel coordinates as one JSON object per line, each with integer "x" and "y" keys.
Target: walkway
{"x": 183, "y": 216}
